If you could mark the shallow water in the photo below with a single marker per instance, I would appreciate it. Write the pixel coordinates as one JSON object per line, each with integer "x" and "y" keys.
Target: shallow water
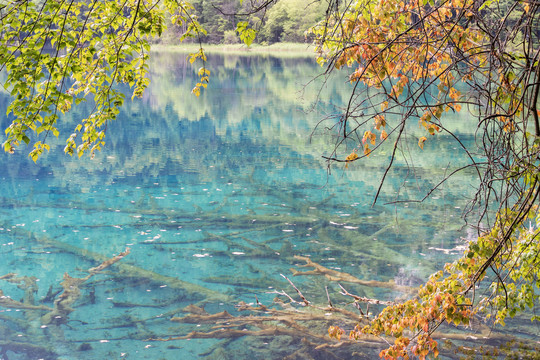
{"x": 220, "y": 192}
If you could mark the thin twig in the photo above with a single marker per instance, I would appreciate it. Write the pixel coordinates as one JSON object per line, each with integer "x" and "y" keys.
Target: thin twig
{"x": 298, "y": 291}
{"x": 328, "y": 296}
{"x": 365, "y": 299}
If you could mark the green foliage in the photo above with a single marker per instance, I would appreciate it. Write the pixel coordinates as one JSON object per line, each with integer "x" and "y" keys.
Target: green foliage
{"x": 57, "y": 54}
{"x": 279, "y": 21}
{"x": 230, "y": 37}
{"x": 486, "y": 4}
{"x": 216, "y": 17}
{"x": 289, "y": 20}
{"x": 246, "y": 34}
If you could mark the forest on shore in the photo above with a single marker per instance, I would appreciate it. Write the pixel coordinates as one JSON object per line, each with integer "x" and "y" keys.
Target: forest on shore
{"x": 284, "y": 21}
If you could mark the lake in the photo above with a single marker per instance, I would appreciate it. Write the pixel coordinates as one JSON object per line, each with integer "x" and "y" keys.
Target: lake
{"x": 216, "y": 197}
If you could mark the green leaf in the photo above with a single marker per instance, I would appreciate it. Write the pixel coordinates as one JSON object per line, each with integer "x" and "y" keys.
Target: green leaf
{"x": 246, "y": 34}
{"x": 486, "y": 4}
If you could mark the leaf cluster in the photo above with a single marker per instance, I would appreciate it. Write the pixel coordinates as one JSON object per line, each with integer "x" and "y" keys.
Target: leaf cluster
{"x": 57, "y": 54}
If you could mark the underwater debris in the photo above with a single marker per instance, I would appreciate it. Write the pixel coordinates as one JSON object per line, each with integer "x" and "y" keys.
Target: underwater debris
{"x": 9, "y": 303}
{"x": 26, "y": 283}
{"x": 307, "y": 325}
{"x": 127, "y": 270}
{"x": 84, "y": 347}
{"x": 337, "y": 276}
{"x": 34, "y": 351}
{"x": 72, "y": 292}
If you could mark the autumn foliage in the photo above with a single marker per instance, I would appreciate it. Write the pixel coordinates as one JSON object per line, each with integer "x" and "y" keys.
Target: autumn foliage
{"x": 414, "y": 61}
{"x": 399, "y": 48}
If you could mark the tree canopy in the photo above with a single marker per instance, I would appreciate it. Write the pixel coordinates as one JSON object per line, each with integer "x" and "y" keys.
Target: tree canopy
{"x": 414, "y": 61}
{"x": 410, "y": 61}
{"x": 56, "y": 54}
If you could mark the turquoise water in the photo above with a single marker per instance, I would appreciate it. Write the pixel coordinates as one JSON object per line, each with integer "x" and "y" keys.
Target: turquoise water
{"x": 221, "y": 193}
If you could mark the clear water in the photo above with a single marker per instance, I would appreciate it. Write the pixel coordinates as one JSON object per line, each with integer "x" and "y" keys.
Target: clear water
{"x": 219, "y": 192}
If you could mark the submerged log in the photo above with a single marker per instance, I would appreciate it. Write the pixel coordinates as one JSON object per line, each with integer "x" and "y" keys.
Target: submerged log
{"x": 338, "y": 276}
{"x": 127, "y": 270}
{"x": 9, "y": 303}
{"x": 26, "y": 283}
{"x": 32, "y": 350}
{"x": 72, "y": 292}
{"x": 231, "y": 333}
{"x": 204, "y": 318}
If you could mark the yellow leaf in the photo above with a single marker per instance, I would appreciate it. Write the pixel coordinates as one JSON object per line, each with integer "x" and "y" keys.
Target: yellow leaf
{"x": 352, "y": 156}
{"x": 421, "y": 142}
{"x": 367, "y": 150}
{"x": 379, "y": 121}
{"x": 384, "y": 135}
{"x": 365, "y": 137}
{"x": 372, "y": 138}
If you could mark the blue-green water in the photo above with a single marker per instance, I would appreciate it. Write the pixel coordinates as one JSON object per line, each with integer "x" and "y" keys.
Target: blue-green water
{"x": 220, "y": 192}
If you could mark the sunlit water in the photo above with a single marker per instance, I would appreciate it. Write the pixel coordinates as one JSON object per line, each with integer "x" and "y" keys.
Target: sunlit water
{"x": 219, "y": 192}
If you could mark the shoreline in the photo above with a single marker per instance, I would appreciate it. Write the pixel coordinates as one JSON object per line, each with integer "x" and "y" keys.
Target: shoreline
{"x": 278, "y": 49}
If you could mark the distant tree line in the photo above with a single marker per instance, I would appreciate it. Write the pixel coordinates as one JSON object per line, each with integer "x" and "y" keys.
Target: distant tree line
{"x": 282, "y": 21}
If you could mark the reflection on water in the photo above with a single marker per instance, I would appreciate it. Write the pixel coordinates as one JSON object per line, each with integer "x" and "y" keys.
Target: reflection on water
{"x": 214, "y": 197}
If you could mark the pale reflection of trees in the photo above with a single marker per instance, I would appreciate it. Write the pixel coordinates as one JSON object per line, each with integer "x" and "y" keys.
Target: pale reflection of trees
{"x": 253, "y": 103}
{"x": 242, "y": 86}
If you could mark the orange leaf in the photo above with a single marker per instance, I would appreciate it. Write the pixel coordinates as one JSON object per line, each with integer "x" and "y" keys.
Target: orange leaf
{"x": 421, "y": 142}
